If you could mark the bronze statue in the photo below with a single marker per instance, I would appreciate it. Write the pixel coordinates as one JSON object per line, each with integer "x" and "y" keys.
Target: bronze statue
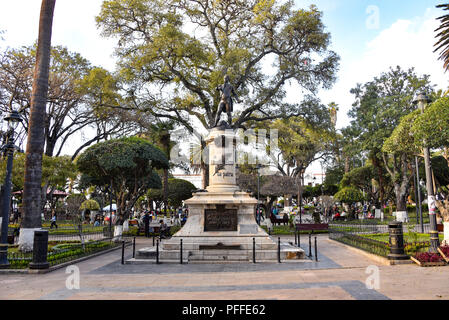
{"x": 226, "y": 102}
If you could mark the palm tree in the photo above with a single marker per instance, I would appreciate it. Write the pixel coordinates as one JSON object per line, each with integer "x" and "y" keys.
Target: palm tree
{"x": 35, "y": 141}
{"x": 159, "y": 134}
{"x": 443, "y": 35}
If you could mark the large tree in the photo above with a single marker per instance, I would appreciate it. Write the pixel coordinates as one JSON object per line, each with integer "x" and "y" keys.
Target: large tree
{"x": 127, "y": 166}
{"x": 75, "y": 97}
{"x": 380, "y": 104}
{"x": 173, "y": 55}
{"x": 35, "y": 142}
{"x": 433, "y": 127}
{"x": 159, "y": 134}
{"x": 300, "y": 144}
{"x": 178, "y": 190}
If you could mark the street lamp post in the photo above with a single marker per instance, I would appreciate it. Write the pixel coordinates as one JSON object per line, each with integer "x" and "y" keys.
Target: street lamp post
{"x": 258, "y": 167}
{"x": 422, "y": 100}
{"x": 13, "y": 119}
{"x": 418, "y": 198}
{"x": 258, "y": 193}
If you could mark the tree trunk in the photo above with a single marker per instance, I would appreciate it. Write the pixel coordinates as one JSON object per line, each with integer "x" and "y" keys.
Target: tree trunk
{"x": 287, "y": 200}
{"x": 165, "y": 190}
{"x": 376, "y": 164}
{"x": 347, "y": 166}
{"x": 36, "y": 139}
{"x": 205, "y": 175}
{"x": 401, "y": 197}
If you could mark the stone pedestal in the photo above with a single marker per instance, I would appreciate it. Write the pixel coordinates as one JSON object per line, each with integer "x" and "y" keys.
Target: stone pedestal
{"x": 221, "y": 225}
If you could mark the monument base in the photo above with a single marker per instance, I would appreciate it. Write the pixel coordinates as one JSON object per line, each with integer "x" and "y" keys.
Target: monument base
{"x": 221, "y": 225}
{"x": 221, "y": 228}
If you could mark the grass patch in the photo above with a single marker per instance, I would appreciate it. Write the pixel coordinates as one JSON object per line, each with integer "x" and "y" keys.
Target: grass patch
{"x": 280, "y": 230}
{"x": 408, "y": 237}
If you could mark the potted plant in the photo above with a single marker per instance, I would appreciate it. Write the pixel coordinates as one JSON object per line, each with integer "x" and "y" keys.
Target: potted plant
{"x": 428, "y": 259}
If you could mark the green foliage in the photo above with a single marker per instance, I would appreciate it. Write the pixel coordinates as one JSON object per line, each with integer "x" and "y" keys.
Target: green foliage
{"x": 178, "y": 191}
{"x": 126, "y": 165}
{"x": 349, "y": 195}
{"x": 56, "y": 171}
{"x": 378, "y": 110}
{"x": 442, "y": 44}
{"x": 433, "y": 125}
{"x": 300, "y": 143}
{"x": 358, "y": 177}
{"x": 402, "y": 139}
{"x": 90, "y": 205}
{"x": 157, "y": 48}
{"x": 334, "y": 175}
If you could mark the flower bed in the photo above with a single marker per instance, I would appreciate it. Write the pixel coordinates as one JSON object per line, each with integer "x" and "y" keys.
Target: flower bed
{"x": 444, "y": 251}
{"x": 428, "y": 259}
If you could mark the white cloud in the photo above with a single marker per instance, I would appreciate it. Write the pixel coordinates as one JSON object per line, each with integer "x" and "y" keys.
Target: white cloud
{"x": 73, "y": 27}
{"x": 407, "y": 43}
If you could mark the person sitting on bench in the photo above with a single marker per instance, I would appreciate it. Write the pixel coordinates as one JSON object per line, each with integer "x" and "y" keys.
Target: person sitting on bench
{"x": 163, "y": 230}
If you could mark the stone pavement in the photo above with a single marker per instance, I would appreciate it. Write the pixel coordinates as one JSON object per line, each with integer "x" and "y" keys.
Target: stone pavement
{"x": 340, "y": 274}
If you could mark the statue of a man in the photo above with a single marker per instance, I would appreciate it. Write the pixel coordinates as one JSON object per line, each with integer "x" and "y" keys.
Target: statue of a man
{"x": 226, "y": 100}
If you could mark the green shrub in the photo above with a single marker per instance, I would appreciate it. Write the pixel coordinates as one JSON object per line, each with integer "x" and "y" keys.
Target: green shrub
{"x": 90, "y": 205}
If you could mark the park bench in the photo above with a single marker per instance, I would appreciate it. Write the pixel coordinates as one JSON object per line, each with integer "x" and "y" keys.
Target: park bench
{"x": 274, "y": 220}
{"x": 311, "y": 226}
{"x": 153, "y": 230}
{"x": 12, "y": 234}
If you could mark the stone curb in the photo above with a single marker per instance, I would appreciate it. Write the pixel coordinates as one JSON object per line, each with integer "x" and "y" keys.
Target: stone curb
{"x": 58, "y": 266}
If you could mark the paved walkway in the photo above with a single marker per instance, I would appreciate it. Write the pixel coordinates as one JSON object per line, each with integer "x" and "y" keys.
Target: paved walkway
{"x": 340, "y": 273}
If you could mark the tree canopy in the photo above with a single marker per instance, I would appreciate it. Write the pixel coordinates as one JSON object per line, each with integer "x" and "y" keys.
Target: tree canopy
{"x": 126, "y": 165}
{"x": 173, "y": 55}
{"x": 178, "y": 191}
{"x": 379, "y": 107}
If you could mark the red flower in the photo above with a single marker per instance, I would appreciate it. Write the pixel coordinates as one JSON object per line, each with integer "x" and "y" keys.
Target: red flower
{"x": 445, "y": 250}
{"x": 428, "y": 257}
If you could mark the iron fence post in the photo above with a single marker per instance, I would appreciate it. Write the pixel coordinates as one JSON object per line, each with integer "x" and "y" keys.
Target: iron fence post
{"x": 134, "y": 247}
{"x": 310, "y": 244}
{"x": 123, "y": 252}
{"x": 157, "y": 251}
{"x": 316, "y": 250}
{"x": 279, "y": 249}
{"x": 180, "y": 252}
{"x": 254, "y": 250}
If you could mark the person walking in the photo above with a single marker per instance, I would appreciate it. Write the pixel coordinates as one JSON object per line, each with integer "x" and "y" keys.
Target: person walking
{"x": 146, "y": 223}
{"x": 53, "y": 221}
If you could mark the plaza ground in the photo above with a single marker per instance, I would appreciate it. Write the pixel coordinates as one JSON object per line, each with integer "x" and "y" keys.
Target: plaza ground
{"x": 340, "y": 274}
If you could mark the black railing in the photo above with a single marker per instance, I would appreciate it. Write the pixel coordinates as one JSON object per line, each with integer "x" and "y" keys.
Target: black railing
{"x": 357, "y": 236}
{"x": 64, "y": 252}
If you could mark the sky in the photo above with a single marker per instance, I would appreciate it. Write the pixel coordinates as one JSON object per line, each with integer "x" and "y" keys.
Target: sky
{"x": 370, "y": 36}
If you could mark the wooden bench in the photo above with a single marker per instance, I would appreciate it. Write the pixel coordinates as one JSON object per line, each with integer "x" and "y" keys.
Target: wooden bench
{"x": 275, "y": 220}
{"x": 312, "y": 226}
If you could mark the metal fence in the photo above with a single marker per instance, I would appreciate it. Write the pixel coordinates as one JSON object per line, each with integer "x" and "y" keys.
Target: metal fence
{"x": 355, "y": 235}
{"x": 68, "y": 252}
{"x": 65, "y": 249}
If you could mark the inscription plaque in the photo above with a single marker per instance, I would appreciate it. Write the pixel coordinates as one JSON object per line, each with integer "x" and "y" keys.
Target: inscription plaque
{"x": 220, "y": 219}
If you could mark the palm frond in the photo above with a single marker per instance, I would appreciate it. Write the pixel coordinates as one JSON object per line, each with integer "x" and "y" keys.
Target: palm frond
{"x": 442, "y": 44}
